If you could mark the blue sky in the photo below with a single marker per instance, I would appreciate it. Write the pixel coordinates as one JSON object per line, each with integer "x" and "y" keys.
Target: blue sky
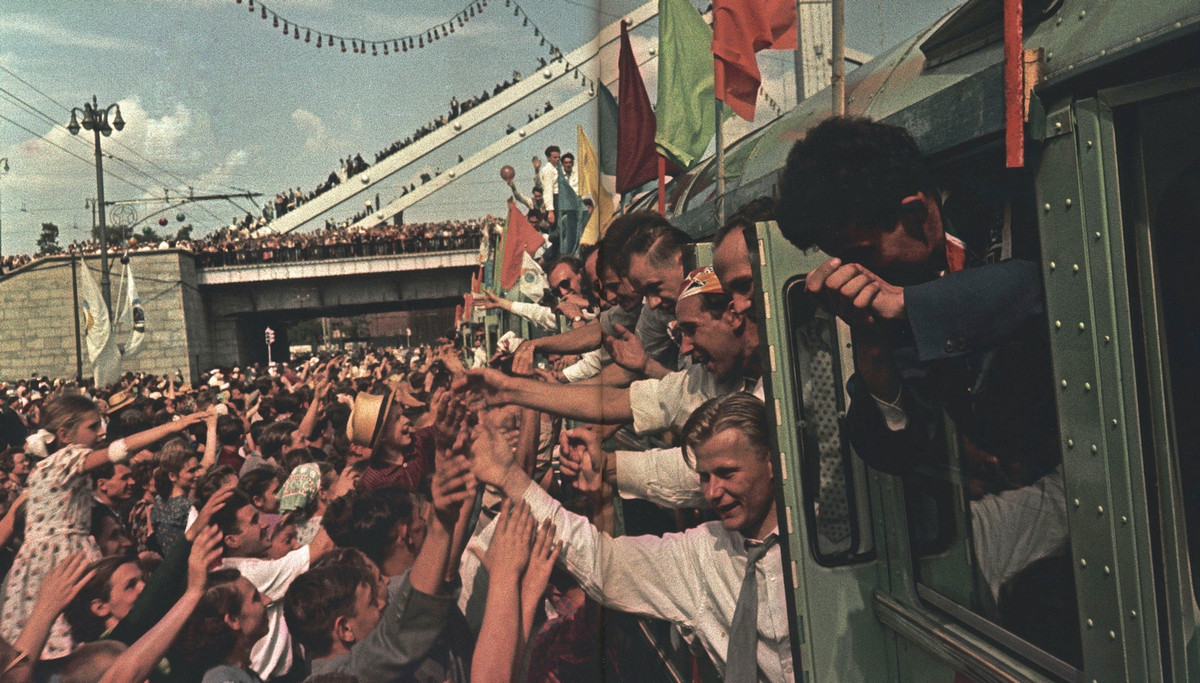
{"x": 218, "y": 99}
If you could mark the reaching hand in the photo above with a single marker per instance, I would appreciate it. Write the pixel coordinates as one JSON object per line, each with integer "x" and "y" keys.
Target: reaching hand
{"x": 489, "y": 301}
{"x": 580, "y": 449}
{"x": 215, "y": 502}
{"x": 541, "y": 563}
{"x": 450, "y": 412}
{"x": 453, "y": 485}
{"x": 205, "y": 552}
{"x": 855, "y": 294}
{"x": 63, "y": 583}
{"x": 484, "y": 383}
{"x": 627, "y": 350}
{"x": 491, "y": 455}
{"x": 523, "y": 359}
{"x": 508, "y": 553}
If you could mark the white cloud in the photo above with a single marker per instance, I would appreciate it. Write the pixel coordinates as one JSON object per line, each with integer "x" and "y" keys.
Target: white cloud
{"x": 313, "y": 129}
{"x": 52, "y": 32}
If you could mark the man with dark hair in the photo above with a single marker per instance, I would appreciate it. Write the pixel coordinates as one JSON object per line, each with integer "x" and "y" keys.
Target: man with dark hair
{"x": 568, "y": 170}
{"x": 933, "y": 326}
{"x": 230, "y": 434}
{"x": 396, "y": 637}
{"x": 246, "y": 546}
{"x": 548, "y": 179}
{"x": 112, "y": 486}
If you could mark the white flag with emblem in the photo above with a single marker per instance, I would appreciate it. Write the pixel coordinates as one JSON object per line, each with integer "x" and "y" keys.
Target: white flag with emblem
{"x": 96, "y": 327}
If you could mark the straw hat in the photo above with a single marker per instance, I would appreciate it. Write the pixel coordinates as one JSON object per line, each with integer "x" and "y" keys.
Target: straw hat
{"x": 367, "y": 418}
{"x": 119, "y": 400}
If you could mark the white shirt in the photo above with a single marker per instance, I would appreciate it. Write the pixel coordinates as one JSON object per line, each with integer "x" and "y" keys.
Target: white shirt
{"x": 691, "y": 578}
{"x": 272, "y": 656}
{"x": 541, "y": 316}
{"x": 667, "y": 403}
{"x": 1013, "y": 529}
{"x": 588, "y": 365}
{"x": 548, "y": 174}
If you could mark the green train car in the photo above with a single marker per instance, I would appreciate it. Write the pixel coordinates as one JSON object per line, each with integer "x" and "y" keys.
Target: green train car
{"x": 883, "y": 572}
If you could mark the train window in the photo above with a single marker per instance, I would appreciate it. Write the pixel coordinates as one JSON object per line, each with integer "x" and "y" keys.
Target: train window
{"x": 1164, "y": 194}
{"x": 986, "y": 507}
{"x": 834, "y": 482}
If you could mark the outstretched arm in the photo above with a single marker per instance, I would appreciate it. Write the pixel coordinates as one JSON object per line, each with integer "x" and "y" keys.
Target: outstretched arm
{"x": 593, "y": 404}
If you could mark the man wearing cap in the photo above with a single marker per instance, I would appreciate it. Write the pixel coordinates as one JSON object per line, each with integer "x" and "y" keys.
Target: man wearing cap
{"x": 724, "y": 352}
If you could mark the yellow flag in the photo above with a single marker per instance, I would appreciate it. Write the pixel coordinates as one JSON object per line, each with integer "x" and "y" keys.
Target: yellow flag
{"x": 590, "y": 186}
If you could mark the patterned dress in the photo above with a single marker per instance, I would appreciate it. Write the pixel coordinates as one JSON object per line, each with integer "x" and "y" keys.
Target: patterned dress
{"x": 57, "y": 524}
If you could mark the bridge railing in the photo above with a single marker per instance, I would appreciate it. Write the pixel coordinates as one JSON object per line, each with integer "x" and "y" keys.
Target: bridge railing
{"x": 342, "y": 250}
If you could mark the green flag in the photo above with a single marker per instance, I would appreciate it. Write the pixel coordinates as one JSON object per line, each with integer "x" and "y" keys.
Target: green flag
{"x": 607, "y": 138}
{"x": 686, "y": 109}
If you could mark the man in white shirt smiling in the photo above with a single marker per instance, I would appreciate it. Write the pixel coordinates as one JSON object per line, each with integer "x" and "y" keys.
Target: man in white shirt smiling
{"x": 722, "y": 580}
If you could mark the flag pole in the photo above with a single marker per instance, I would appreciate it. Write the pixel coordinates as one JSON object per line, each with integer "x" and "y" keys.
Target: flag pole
{"x": 662, "y": 185}
{"x": 720, "y": 108}
{"x": 838, "y": 77}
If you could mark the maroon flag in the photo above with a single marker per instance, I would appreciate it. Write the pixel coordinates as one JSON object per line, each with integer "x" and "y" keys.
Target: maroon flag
{"x": 740, "y": 30}
{"x": 637, "y": 157}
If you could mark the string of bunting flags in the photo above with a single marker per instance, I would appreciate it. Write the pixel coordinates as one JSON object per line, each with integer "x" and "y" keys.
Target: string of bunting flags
{"x": 394, "y": 45}
{"x": 400, "y": 44}
{"x": 770, "y": 101}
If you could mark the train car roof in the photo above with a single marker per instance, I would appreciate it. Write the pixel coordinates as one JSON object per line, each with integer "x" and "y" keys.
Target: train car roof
{"x": 944, "y": 84}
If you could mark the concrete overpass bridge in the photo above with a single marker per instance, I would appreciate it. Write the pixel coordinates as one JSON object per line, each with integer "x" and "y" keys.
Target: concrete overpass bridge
{"x": 200, "y": 317}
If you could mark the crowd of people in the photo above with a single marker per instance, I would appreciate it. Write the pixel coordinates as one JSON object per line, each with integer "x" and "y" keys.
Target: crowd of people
{"x": 447, "y": 512}
{"x": 226, "y": 247}
{"x": 230, "y": 246}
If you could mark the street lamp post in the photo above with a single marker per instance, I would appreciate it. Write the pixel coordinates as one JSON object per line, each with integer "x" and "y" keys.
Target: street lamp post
{"x": 95, "y": 119}
{"x": 3, "y": 170}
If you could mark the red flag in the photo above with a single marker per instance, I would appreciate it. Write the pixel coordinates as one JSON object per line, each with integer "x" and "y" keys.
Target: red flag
{"x": 520, "y": 236}
{"x": 740, "y": 30}
{"x": 637, "y": 157}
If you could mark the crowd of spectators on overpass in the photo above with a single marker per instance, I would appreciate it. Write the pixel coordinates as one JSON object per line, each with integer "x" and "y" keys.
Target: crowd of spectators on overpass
{"x": 232, "y": 245}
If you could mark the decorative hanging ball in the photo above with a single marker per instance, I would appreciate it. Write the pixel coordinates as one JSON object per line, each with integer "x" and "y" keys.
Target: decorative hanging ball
{"x": 179, "y": 217}
{"x": 264, "y": 12}
{"x": 296, "y": 32}
{"x": 343, "y": 46}
{"x": 286, "y": 30}
{"x": 251, "y": 5}
{"x": 275, "y": 20}
{"x": 163, "y": 221}
{"x": 374, "y": 50}
{"x": 420, "y": 41}
{"x": 405, "y": 48}
{"x": 307, "y": 36}
{"x": 395, "y": 46}
{"x": 318, "y": 40}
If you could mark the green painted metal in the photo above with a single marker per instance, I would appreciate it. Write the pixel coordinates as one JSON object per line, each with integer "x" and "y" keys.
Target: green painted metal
{"x": 835, "y": 635}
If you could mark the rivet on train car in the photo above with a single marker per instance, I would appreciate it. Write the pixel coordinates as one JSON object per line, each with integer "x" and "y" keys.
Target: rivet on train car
{"x": 1047, "y": 206}
{"x": 1058, "y": 125}
{"x": 1103, "y": 53}
{"x": 1053, "y": 265}
{"x": 1082, "y": 13}
{"x": 1090, "y": 623}
{"x": 1076, "y": 502}
{"x": 1095, "y": 449}
{"x": 1070, "y": 443}
{"x": 1112, "y": 635}
{"x": 1049, "y": 56}
{"x": 1075, "y": 268}
{"x": 1057, "y": 324}
{"x": 1107, "y": 339}
{"x": 1082, "y": 327}
{"x": 1114, "y": 422}
{"x": 1058, "y": 21}
{"x": 1082, "y": 562}
{"x": 1097, "y": 234}
{"x": 1099, "y": 509}
{"x": 1064, "y": 384}
{"x": 1137, "y": 40}
{"x": 1087, "y": 386}
{"x": 1107, "y": 570}
{"x": 1124, "y": 520}
{"x": 1089, "y": 144}
{"x": 1068, "y": 202}
{"x": 1133, "y": 614}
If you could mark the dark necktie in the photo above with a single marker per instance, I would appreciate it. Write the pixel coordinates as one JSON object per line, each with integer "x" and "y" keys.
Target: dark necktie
{"x": 741, "y": 659}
